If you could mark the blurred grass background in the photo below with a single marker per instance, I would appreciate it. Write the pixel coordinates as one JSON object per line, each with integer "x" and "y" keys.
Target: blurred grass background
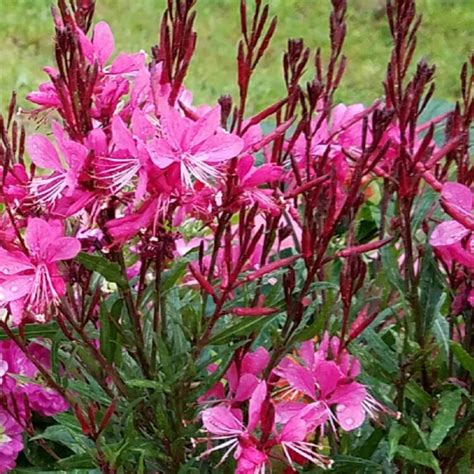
{"x": 445, "y": 38}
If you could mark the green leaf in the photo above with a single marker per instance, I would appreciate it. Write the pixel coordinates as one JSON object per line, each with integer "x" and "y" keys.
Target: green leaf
{"x": 352, "y": 464}
{"x": 31, "y": 331}
{"x": 177, "y": 271}
{"x": 422, "y": 206}
{"x": 370, "y": 445}
{"x": 385, "y": 356}
{"x": 243, "y": 327}
{"x": 417, "y": 456}
{"x": 391, "y": 268}
{"x": 445, "y": 418}
{"x": 466, "y": 360}
{"x": 417, "y": 395}
{"x": 109, "y": 270}
{"x": 394, "y": 435}
{"x": 73, "y": 440}
{"x": 440, "y": 330}
{"x": 431, "y": 289}
{"x": 77, "y": 461}
{"x": 139, "y": 383}
{"x": 109, "y": 337}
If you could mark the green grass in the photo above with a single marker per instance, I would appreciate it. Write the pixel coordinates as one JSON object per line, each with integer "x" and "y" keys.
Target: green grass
{"x": 445, "y": 39}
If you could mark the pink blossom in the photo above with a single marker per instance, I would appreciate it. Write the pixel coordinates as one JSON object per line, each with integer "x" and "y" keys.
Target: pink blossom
{"x": 64, "y": 178}
{"x": 453, "y": 239}
{"x": 41, "y": 398}
{"x": 336, "y": 396}
{"x": 129, "y": 157}
{"x": 225, "y": 425}
{"x": 101, "y": 46}
{"x": 199, "y": 147}
{"x": 10, "y": 441}
{"x": 31, "y": 279}
{"x": 251, "y": 178}
{"x": 293, "y": 440}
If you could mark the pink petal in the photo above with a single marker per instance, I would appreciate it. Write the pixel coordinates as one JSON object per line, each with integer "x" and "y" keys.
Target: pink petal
{"x": 103, "y": 42}
{"x": 350, "y": 417}
{"x": 13, "y": 262}
{"x": 63, "y": 248}
{"x": 247, "y": 385}
{"x": 285, "y": 411}
{"x": 249, "y": 460}
{"x": 263, "y": 175}
{"x": 301, "y": 379}
{"x": 173, "y": 126}
{"x": 75, "y": 154}
{"x": 141, "y": 87}
{"x": 232, "y": 377}
{"x": 141, "y": 126}
{"x": 97, "y": 141}
{"x": 294, "y": 430}
{"x": 327, "y": 374}
{"x": 221, "y": 422}
{"x": 349, "y": 394}
{"x": 255, "y": 362}
{"x": 204, "y": 128}
{"x": 314, "y": 414}
{"x": 306, "y": 352}
{"x": 448, "y": 233}
{"x": 220, "y": 147}
{"x": 255, "y": 405}
{"x": 122, "y": 137}
{"x": 38, "y": 235}
{"x": 244, "y": 165}
{"x": 87, "y": 47}
{"x": 161, "y": 153}
{"x": 43, "y": 153}
{"x": 126, "y": 63}
{"x": 458, "y": 195}
{"x": 15, "y": 288}
{"x": 461, "y": 255}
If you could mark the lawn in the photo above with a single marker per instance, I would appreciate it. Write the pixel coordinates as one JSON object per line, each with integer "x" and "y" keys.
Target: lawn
{"x": 445, "y": 39}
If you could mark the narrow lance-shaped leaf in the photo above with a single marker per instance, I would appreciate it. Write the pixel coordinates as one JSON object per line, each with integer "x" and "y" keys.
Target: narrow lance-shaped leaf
{"x": 445, "y": 418}
{"x": 109, "y": 270}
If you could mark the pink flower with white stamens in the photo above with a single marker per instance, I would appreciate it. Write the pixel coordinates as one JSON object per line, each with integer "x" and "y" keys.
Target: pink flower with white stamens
{"x": 30, "y": 278}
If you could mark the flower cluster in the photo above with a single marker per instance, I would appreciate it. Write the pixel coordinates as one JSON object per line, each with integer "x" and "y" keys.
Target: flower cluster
{"x": 22, "y": 391}
{"x": 306, "y": 394}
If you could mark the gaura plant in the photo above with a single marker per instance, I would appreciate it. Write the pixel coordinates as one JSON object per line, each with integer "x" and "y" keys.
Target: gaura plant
{"x": 188, "y": 288}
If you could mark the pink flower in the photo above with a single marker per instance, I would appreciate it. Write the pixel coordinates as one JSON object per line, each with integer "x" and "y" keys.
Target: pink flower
{"x": 336, "y": 397}
{"x": 253, "y": 442}
{"x": 225, "y": 425}
{"x": 46, "y": 96}
{"x": 10, "y": 441}
{"x": 250, "y": 180}
{"x": 64, "y": 179}
{"x": 199, "y": 147}
{"x": 129, "y": 157}
{"x": 293, "y": 440}
{"x": 101, "y": 47}
{"x": 31, "y": 279}
{"x": 42, "y": 399}
{"x": 453, "y": 239}
{"x": 15, "y": 189}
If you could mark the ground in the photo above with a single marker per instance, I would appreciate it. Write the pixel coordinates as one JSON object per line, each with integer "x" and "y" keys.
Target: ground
{"x": 445, "y": 39}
